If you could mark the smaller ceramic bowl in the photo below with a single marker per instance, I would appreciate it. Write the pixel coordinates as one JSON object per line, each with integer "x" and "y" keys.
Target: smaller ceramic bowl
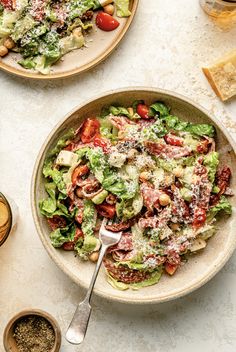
{"x": 9, "y": 340}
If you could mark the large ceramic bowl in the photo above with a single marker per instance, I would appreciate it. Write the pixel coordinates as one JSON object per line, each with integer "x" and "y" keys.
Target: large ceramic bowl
{"x": 99, "y": 46}
{"x": 201, "y": 267}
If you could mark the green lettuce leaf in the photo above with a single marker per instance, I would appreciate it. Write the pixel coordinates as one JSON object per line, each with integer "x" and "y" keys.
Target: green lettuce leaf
{"x": 223, "y": 206}
{"x": 201, "y": 129}
{"x": 155, "y": 277}
{"x": 211, "y": 161}
{"x": 89, "y": 218}
{"x": 60, "y": 236}
{"x": 159, "y": 109}
{"x": 61, "y": 143}
{"x": 122, "y": 8}
{"x": 116, "y": 111}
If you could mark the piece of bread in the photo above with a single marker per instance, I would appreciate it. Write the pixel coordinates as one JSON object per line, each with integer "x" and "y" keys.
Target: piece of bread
{"x": 222, "y": 76}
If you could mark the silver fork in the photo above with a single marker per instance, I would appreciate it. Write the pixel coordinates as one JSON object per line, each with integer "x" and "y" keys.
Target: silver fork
{"x": 78, "y": 326}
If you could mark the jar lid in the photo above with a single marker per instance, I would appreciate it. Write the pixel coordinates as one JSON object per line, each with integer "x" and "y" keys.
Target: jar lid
{"x": 5, "y": 219}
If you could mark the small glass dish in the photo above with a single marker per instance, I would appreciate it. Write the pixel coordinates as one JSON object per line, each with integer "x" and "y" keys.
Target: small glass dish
{"x": 222, "y": 12}
{"x": 9, "y": 340}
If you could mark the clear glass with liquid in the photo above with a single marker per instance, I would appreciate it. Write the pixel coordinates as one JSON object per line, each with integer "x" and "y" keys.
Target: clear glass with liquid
{"x": 222, "y": 12}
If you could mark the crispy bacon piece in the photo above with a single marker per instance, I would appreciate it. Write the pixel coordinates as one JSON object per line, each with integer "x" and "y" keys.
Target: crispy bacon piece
{"x": 87, "y": 16}
{"x": 56, "y": 222}
{"x": 124, "y": 274}
{"x": 122, "y": 226}
{"x": 78, "y": 173}
{"x": 222, "y": 181}
{"x": 106, "y": 210}
{"x": 150, "y": 196}
{"x": 159, "y": 221}
{"x": 8, "y": 4}
{"x": 201, "y": 189}
{"x": 180, "y": 208}
{"x": 167, "y": 151}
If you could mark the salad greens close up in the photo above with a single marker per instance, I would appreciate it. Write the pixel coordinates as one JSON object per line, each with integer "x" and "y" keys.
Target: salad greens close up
{"x": 43, "y": 31}
{"x": 157, "y": 177}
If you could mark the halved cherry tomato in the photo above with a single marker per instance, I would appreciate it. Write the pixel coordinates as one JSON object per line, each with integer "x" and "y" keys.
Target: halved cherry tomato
{"x": 106, "y": 210}
{"x": 89, "y": 130}
{"x": 142, "y": 111}
{"x": 7, "y": 4}
{"x": 106, "y": 22}
{"x": 199, "y": 218}
{"x": 56, "y": 222}
{"x": 104, "y": 143}
{"x": 79, "y": 171}
{"x": 174, "y": 140}
{"x": 170, "y": 268}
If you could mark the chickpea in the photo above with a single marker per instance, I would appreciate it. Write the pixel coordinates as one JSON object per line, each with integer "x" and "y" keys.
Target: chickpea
{"x": 178, "y": 171}
{"x": 110, "y": 9}
{"x": 175, "y": 227}
{"x": 9, "y": 43}
{"x": 94, "y": 257}
{"x": 3, "y": 50}
{"x": 164, "y": 199}
{"x": 144, "y": 176}
{"x": 131, "y": 153}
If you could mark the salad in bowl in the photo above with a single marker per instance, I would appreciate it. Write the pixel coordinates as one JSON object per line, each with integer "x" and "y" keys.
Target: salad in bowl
{"x": 157, "y": 177}
{"x": 43, "y": 32}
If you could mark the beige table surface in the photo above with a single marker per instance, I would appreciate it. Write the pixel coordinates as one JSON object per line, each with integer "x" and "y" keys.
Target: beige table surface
{"x": 166, "y": 47}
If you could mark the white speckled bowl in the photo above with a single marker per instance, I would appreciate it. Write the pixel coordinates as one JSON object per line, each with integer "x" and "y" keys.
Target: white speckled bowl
{"x": 201, "y": 267}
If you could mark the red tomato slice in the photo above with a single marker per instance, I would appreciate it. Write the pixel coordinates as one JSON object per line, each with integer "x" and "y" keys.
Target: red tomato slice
{"x": 170, "y": 268}
{"x": 106, "y": 210}
{"x": 106, "y": 22}
{"x": 7, "y": 4}
{"x": 79, "y": 171}
{"x": 143, "y": 111}
{"x": 89, "y": 129}
{"x": 199, "y": 218}
{"x": 104, "y": 143}
{"x": 174, "y": 140}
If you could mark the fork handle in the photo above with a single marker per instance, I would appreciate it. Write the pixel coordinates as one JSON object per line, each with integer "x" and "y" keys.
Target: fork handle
{"x": 78, "y": 326}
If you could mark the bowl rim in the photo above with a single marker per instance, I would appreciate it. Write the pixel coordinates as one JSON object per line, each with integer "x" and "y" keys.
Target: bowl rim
{"x": 51, "y": 251}
{"x": 36, "y": 312}
{"x": 86, "y": 67}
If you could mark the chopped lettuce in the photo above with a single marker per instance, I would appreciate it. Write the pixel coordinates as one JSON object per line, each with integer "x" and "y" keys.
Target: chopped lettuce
{"x": 211, "y": 161}
{"x": 89, "y": 218}
{"x": 61, "y": 143}
{"x": 154, "y": 131}
{"x": 201, "y": 129}
{"x": 61, "y": 236}
{"x": 159, "y": 109}
{"x": 223, "y": 206}
{"x": 122, "y": 8}
{"x": 116, "y": 111}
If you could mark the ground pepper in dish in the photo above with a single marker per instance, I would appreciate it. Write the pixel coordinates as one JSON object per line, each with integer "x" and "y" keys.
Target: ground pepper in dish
{"x": 34, "y": 334}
